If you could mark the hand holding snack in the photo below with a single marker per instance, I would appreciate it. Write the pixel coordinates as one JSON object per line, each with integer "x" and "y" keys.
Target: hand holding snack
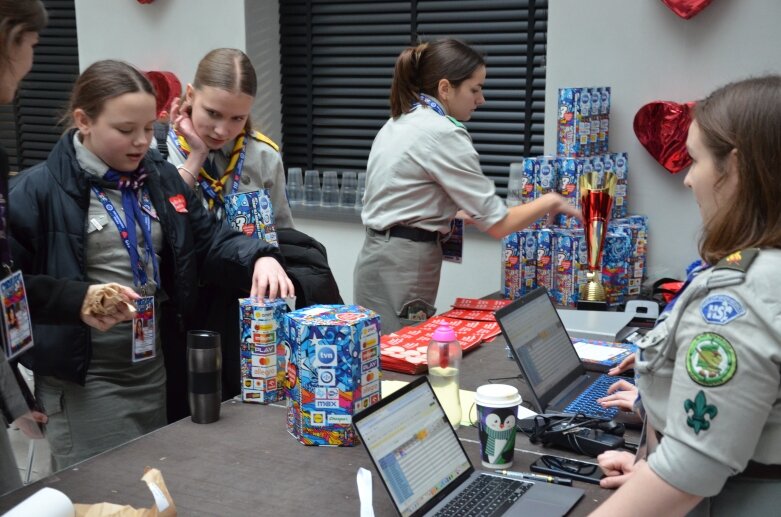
{"x": 105, "y": 305}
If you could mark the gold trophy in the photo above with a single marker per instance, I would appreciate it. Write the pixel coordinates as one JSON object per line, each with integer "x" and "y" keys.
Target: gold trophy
{"x": 596, "y": 199}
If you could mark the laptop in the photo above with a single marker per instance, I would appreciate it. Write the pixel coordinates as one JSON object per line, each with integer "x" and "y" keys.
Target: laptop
{"x": 426, "y": 471}
{"x": 539, "y": 343}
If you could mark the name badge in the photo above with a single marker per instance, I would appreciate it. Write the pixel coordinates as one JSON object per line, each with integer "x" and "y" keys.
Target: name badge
{"x": 16, "y": 315}
{"x": 144, "y": 329}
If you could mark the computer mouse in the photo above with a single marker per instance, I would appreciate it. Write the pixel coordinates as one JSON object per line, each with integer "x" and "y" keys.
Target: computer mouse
{"x": 612, "y": 427}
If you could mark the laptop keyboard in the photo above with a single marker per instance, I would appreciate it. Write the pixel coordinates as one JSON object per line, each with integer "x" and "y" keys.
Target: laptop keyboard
{"x": 485, "y": 496}
{"x": 586, "y": 402}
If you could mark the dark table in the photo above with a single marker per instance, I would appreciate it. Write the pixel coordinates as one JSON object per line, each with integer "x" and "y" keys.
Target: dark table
{"x": 247, "y": 464}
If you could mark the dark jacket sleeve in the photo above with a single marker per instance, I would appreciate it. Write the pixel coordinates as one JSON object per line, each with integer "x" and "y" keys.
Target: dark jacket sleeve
{"x": 12, "y": 402}
{"x": 55, "y": 301}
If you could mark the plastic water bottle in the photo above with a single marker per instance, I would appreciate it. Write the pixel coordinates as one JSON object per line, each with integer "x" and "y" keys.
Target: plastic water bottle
{"x": 444, "y": 363}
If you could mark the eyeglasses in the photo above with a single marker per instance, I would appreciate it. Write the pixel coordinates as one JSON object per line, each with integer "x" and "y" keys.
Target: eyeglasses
{"x": 570, "y": 466}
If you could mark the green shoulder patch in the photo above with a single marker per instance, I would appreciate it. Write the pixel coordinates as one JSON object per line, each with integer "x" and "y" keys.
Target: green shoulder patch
{"x": 697, "y": 410}
{"x": 739, "y": 260}
{"x": 260, "y": 137}
{"x": 456, "y": 122}
{"x": 711, "y": 360}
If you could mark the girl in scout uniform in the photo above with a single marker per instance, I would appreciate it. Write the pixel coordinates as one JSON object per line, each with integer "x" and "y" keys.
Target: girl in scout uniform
{"x": 709, "y": 373}
{"x": 104, "y": 208}
{"x": 212, "y": 143}
{"x": 422, "y": 169}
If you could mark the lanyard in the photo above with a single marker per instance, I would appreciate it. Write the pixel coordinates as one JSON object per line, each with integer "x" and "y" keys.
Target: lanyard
{"x": 431, "y": 103}
{"x": 127, "y": 232}
{"x": 210, "y": 182}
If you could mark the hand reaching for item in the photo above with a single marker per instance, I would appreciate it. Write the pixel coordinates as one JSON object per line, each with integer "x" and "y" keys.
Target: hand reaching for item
{"x": 105, "y": 305}
{"x": 269, "y": 280}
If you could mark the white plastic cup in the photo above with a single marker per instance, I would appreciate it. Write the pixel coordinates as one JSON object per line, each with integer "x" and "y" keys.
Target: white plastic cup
{"x": 349, "y": 190}
{"x": 515, "y": 184}
{"x": 360, "y": 191}
{"x": 497, "y": 412}
{"x": 330, "y": 189}
{"x": 295, "y": 186}
{"x": 311, "y": 187}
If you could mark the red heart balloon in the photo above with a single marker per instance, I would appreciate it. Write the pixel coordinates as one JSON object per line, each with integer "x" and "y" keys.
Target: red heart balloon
{"x": 662, "y": 127}
{"x": 686, "y": 8}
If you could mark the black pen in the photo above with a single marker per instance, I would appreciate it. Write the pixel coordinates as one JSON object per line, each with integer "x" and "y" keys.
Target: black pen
{"x": 536, "y": 477}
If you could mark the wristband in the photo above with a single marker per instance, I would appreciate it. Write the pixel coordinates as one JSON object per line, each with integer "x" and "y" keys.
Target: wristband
{"x": 188, "y": 171}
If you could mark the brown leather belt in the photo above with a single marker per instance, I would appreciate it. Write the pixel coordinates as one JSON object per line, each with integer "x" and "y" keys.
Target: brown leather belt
{"x": 407, "y": 232}
{"x": 760, "y": 471}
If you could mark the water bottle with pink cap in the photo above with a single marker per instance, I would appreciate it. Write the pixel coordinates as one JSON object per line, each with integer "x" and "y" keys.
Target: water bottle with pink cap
{"x": 444, "y": 362}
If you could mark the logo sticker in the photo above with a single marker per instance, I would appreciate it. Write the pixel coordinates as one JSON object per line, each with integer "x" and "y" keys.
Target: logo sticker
{"x": 720, "y": 309}
{"x": 179, "y": 203}
{"x": 699, "y": 409}
{"x": 711, "y": 360}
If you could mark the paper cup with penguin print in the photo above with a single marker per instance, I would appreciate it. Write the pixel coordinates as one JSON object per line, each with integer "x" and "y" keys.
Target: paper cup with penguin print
{"x": 497, "y": 410}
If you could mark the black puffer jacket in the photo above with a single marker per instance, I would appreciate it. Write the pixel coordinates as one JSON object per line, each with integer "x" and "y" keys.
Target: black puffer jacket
{"x": 48, "y": 228}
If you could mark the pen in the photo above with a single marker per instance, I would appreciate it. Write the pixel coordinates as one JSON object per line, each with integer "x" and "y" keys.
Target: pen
{"x": 536, "y": 477}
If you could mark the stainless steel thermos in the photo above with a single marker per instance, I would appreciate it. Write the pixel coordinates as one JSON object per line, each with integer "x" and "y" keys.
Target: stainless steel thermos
{"x": 204, "y": 383}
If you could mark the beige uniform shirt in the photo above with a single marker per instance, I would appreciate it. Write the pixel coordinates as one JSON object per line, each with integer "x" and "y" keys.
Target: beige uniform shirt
{"x": 262, "y": 169}
{"x": 422, "y": 169}
{"x": 709, "y": 375}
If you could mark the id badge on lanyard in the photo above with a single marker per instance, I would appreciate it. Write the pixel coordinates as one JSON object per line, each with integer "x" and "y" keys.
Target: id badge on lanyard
{"x": 144, "y": 329}
{"x": 17, "y": 326}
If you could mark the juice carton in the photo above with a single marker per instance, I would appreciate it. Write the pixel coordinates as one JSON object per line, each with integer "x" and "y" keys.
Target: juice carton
{"x": 546, "y": 176}
{"x": 570, "y": 170}
{"x": 528, "y": 262}
{"x": 544, "y": 272}
{"x": 615, "y": 265}
{"x": 530, "y": 172}
{"x": 569, "y": 124}
{"x": 594, "y": 145}
{"x": 621, "y": 169}
{"x": 604, "y": 119}
{"x": 262, "y": 352}
{"x": 333, "y": 372}
{"x": 512, "y": 266}
{"x": 251, "y": 213}
{"x": 564, "y": 270}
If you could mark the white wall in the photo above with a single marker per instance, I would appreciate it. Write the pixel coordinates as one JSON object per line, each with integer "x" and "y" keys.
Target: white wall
{"x": 645, "y": 53}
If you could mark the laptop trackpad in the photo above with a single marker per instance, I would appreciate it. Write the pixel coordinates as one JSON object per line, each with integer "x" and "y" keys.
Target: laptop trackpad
{"x": 545, "y": 500}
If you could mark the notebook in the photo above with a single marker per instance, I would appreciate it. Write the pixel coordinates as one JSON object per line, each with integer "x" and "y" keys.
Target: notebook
{"x": 424, "y": 466}
{"x": 557, "y": 379}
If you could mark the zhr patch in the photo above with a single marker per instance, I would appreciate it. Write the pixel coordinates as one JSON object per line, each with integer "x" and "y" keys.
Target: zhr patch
{"x": 711, "y": 360}
{"x": 720, "y": 309}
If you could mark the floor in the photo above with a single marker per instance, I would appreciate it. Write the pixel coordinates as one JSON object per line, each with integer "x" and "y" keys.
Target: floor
{"x": 41, "y": 460}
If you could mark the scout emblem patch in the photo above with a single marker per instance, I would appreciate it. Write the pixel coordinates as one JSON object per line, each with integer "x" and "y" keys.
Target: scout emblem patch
{"x": 711, "y": 360}
{"x": 720, "y": 309}
{"x": 697, "y": 411}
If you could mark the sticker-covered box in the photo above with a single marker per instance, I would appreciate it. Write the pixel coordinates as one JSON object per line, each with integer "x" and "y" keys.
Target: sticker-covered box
{"x": 333, "y": 371}
{"x": 262, "y": 349}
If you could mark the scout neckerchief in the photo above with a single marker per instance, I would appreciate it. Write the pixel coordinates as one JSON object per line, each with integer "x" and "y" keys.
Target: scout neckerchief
{"x": 129, "y": 184}
{"x": 213, "y": 184}
{"x": 692, "y": 270}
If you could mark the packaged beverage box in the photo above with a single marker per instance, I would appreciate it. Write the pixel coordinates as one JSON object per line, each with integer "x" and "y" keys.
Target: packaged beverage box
{"x": 598, "y": 166}
{"x": 333, "y": 371}
{"x": 512, "y": 265}
{"x": 608, "y": 164}
{"x": 621, "y": 169}
{"x": 604, "y": 119}
{"x": 262, "y": 351}
{"x": 546, "y": 176}
{"x": 544, "y": 270}
{"x": 615, "y": 267}
{"x": 565, "y": 251}
{"x": 528, "y": 246}
{"x": 595, "y": 121}
{"x": 251, "y": 213}
{"x": 584, "y": 129}
{"x": 634, "y": 227}
{"x": 530, "y": 172}
{"x": 570, "y": 170}
{"x": 569, "y": 123}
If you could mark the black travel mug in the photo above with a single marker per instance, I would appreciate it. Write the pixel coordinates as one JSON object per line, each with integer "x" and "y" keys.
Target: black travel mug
{"x": 204, "y": 383}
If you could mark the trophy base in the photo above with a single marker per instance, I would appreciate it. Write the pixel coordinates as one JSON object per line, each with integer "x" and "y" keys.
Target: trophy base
{"x": 591, "y": 305}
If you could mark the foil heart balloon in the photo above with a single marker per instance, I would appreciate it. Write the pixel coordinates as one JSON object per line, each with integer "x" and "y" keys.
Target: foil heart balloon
{"x": 686, "y": 8}
{"x": 662, "y": 127}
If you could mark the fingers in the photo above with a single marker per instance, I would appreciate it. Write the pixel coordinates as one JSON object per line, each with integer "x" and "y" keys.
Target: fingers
{"x": 614, "y": 481}
{"x": 626, "y": 364}
{"x": 621, "y": 385}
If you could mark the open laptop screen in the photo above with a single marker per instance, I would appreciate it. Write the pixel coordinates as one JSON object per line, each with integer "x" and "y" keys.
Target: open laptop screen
{"x": 533, "y": 329}
{"x": 413, "y": 447}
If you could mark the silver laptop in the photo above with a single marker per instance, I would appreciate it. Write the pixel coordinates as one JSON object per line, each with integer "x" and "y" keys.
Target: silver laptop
{"x": 424, "y": 466}
{"x": 540, "y": 345}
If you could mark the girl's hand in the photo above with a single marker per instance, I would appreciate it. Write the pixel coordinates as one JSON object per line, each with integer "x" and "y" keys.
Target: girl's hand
{"x": 105, "y": 305}
{"x": 621, "y": 394}
{"x": 559, "y": 205}
{"x": 183, "y": 124}
{"x": 626, "y": 364}
{"x": 617, "y": 466}
{"x": 269, "y": 280}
